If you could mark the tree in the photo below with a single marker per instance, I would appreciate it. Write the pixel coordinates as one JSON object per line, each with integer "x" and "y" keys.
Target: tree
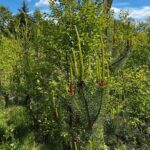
{"x": 5, "y": 19}
{"x": 23, "y": 14}
{"x": 72, "y": 78}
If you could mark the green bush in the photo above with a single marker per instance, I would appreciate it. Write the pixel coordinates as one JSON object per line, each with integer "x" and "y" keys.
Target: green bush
{"x": 14, "y": 124}
{"x": 2, "y": 102}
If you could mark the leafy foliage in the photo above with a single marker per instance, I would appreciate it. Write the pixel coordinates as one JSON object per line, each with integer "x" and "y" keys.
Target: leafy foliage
{"x": 80, "y": 76}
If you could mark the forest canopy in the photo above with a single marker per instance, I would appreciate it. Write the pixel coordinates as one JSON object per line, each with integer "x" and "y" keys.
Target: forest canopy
{"x": 77, "y": 78}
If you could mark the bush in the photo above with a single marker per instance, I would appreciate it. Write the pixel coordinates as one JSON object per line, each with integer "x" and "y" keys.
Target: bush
{"x": 14, "y": 125}
{"x": 2, "y": 102}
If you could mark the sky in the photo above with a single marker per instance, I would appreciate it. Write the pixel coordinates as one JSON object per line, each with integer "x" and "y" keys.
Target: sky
{"x": 138, "y": 9}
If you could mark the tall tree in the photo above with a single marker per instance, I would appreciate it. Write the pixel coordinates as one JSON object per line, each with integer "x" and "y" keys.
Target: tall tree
{"x": 5, "y": 19}
{"x": 23, "y": 14}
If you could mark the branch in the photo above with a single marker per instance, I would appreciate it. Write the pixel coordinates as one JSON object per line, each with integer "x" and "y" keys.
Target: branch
{"x": 121, "y": 58}
{"x": 81, "y": 91}
{"x": 126, "y": 51}
{"x": 100, "y": 106}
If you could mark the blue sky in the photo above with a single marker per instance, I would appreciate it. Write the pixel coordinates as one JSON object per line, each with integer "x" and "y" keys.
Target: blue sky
{"x": 13, "y": 5}
{"x": 138, "y": 9}
{"x": 131, "y": 3}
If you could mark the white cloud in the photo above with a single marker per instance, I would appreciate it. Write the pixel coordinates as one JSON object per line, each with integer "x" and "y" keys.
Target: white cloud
{"x": 136, "y": 13}
{"x": 140, "y": 13}
{"x": 116, "y": 10}
{"x": 42, "y": 3}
